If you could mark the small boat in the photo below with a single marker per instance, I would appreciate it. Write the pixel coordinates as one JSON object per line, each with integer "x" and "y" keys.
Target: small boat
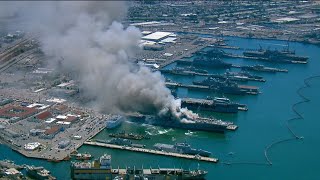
{"x": 85, "y": 156}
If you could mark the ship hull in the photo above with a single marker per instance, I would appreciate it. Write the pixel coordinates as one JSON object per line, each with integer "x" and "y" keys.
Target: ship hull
{"x": 225, "y": 90}
{"x": 282, "y": 58}
{"x": 97, "y": 173}
{"x": 176, "y": 124}
{"x": 211, "y": 64}
{"x": 191, "y": 126}
{"x": 215, "y": 108}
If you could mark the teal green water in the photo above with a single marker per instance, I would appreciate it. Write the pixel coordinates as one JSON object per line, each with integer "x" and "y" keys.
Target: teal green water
{"x": 263, "y": 124}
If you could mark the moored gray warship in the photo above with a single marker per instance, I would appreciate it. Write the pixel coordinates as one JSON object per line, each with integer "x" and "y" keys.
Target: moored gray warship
{"x": 182, "y": 148}
{"x": 102, "y": 169}
{"x": 227, "y": 86}
{"x": 284, "y": 56}
{"x": 222, "y": 105}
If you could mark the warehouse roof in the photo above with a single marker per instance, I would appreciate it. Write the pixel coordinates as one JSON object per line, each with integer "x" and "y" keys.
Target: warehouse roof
{"x": 156, "y": 35}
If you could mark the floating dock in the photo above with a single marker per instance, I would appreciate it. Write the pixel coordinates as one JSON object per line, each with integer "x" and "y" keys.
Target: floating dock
{"x": 151, "y": 151}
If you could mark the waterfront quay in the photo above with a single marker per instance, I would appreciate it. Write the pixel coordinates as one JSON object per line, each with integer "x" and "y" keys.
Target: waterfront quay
{"x": 152, "y": 151}
{"x": 188, "y": 52}
{"x": 51, "y": 149}
{"x": 46, "y": 130}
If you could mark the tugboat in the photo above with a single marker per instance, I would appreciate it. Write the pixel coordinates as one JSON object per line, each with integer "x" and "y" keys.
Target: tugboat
{"x": 85, "y": 156}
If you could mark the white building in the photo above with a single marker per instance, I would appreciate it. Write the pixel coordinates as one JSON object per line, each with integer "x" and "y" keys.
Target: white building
{"x": 64, "y": 143}
{"x": 156, "y": 36}
{"x": 31, "y": 146}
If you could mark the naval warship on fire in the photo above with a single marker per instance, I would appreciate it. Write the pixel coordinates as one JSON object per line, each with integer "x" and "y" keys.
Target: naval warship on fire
{"x": 196, "y": 124}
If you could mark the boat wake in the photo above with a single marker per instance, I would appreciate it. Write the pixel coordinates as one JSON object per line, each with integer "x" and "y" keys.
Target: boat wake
{"x": 190, "y": 133}
{"x": 274, "y": 44}
{"x": 153, "y": 130}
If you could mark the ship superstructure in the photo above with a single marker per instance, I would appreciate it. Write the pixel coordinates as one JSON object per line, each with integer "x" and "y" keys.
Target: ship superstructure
{"x": 276, "y": 56}
{"x": 227, "y": 86}
{"x": 196, "y": 124}
{"x": 182, "y": 148}
{"x": 222, "y": 105}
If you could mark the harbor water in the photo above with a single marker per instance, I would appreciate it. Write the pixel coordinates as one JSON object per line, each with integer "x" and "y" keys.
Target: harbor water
{"x": 244, "y": 149}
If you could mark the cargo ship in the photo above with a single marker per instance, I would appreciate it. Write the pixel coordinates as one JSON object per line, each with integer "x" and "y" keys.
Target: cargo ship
{"x": 222, "y": 105}
{"x": 284, "y": 56}
{"x": 261, "y": 68}
{"x": 125, "y": 135}
{"x": 114, "y": 122}
{"x": 227, "y": 86}
{"x": 102, "y": 169}
{"x": 39, "y": 173}
{"x": 181, "y": 148}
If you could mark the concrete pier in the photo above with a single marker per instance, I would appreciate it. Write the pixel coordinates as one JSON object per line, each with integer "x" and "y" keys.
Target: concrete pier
{"x": 185, "y": 54}
{"x": 151, "y": 151}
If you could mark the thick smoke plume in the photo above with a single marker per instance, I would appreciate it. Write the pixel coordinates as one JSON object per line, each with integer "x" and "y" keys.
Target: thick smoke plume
{"x": 97, "y": 49}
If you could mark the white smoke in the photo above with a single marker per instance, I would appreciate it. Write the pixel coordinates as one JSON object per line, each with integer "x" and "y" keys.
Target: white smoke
{"x": 98, "y": 50}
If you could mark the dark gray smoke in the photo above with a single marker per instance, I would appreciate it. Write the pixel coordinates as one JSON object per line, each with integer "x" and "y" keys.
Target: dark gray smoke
{"x": 98, "y": 49}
